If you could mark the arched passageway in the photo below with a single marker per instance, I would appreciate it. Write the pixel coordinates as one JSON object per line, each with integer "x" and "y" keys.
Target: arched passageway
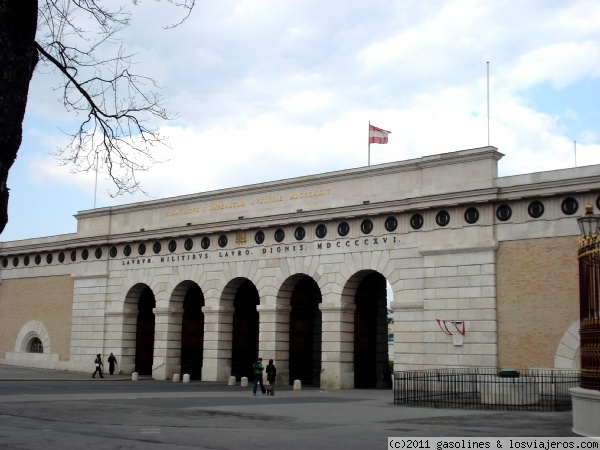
{"x": 192, "y": 333}
{"x": 144, "y": 343}
{"x": 244, "y": 349}
{"x": 305, "y": 333}
{"x": 370, "y": 331}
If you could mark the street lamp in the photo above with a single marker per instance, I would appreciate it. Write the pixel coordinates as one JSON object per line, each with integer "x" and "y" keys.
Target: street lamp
{"x": 589, "y": 295}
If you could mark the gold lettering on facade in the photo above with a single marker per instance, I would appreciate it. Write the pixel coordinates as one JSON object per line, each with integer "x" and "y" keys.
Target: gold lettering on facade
{"x": 182, "y": 211}
{"x": 240, "y": 238}
{"x": 269, "y": 199}
{"x": 312, "y": 193}
{"x": 236, "y": 204}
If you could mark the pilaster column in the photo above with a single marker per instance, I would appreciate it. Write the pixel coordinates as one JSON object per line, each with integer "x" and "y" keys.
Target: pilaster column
{"x": 218, "y": 334}
{"x": 167, "y": 342}
{"x": 121, "y": 330}
{"x": 274, "y": 338}
{"x": 337, "y": 351}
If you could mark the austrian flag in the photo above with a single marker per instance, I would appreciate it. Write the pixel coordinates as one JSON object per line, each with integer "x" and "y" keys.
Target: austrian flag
{"x": 377, "y": 135}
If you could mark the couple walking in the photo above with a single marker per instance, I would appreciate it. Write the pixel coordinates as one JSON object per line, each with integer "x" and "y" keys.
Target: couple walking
{"x": 258, "y": 376}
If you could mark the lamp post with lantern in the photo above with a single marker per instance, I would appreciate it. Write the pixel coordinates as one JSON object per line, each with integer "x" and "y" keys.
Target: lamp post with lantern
{"x": 589, "y": 295}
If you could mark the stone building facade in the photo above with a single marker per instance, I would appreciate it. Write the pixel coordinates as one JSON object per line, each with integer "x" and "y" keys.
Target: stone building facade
{"x": 482, "y": 270}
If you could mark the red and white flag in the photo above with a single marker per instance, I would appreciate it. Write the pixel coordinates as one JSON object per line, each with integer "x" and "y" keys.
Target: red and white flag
{"x": 377, "y": 135}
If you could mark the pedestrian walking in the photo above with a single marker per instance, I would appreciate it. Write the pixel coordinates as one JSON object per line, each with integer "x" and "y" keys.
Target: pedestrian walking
{"x": 98, "y": 363}
{"x": 257, "y": 367}
{"x": 271, "y": 375}
{"x": 111, "y": 363}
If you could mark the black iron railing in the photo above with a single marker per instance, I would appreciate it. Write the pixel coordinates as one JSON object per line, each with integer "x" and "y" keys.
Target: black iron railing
{"x": 486, "y": 388}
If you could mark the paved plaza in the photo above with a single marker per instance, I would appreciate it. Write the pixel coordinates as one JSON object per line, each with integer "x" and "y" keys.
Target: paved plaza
{"x": 70, "y": 410}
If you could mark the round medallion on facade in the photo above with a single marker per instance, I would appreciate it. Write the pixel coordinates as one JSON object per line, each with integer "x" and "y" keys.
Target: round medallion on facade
{"x": 38, "y": 260}
{"x": 156, "y": 247}
{"x": 74, "y": 255}
{"x": 299, "y": 233}
{"x": 5, "y": 262}
{"x": 442, "y": 218}
{"x": 598, "y": 202}
{"x": 416, "y": 221}
{"x": 535, "y": 209}
{"x": 321, "y": 231}
{"x": 61, "y": 257}
{"x": 127, "y": 250}
{"x": 26, "y": 260}
{"x": 188, "y": 244}
{"x": 279, "y": 234}
{"x": 223, "y": 240}
{"x": 205, "y": 242}
{"x": 391, "y": 223}
{"x": 113, "y": 252}
{"x": 98, "y": 253}
{"x": 343, "y": 228}
{"x": 49, "y": 258}
{"x": 259, "y": 237}
{"x": 142, "y": 249}
{"x": 15, "y": 261}
{"x": 471, "y": 215}
{"x": 503, "y": 212}
{"x": 366, "y": 226}
{"x": 172, "y": 245}
{"x": 569, "y": 206}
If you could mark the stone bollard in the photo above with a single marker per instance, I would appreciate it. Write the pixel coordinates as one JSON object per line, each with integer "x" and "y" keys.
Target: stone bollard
{"x": 134, "y": 376}
{"x": 175, "y": 378}
{"x": 186, "y": 377}
{"x": 297, "y": 385}
{"x": 231, "y": 381}
{"x": 244, "y": 382}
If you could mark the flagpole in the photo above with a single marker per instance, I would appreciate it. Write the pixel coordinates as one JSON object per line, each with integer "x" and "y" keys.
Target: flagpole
{"x": 369, "y": 141}
{"x": 96, "y": 182}
{"x": 488, "y": 101}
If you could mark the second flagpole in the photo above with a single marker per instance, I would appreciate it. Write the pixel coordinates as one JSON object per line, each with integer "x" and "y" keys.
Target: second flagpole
{"x": 369, "y": 142}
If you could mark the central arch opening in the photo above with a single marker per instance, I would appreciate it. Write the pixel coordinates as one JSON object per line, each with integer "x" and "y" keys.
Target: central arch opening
{"x": 144, "y": 343}
{"x": 192, "y": 333}
{"x": 244, "y": 350}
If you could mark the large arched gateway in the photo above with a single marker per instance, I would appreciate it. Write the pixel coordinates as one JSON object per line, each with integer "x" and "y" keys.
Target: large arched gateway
{"x": 296, "y": 270}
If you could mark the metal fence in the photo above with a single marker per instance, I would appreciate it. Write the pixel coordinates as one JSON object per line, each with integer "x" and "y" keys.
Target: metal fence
{"x": 486, "y": 388}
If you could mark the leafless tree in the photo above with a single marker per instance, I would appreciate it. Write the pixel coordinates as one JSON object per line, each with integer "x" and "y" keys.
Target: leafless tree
{"x": 120, "y": 110}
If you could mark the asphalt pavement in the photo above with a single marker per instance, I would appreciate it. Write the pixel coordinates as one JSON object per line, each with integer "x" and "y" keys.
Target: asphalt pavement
{"x": 58, "y": 409}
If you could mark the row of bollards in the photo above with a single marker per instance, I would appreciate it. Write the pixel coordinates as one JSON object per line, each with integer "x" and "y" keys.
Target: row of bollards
{"x": 232, "y": 380}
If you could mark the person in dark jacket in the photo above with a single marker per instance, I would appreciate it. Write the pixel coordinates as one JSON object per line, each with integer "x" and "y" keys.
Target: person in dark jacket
{"x": 271, "y": 375}
{"x": 257, "y": 367}
{"x": 98, "y": 363}
{"x": 111, "y": 363}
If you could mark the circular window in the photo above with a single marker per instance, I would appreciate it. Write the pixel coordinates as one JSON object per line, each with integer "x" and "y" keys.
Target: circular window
{"x": 85, "y": 254}
{"x": 299, "y": 233}
{"x": 321, "y": 231}
{"x": 223, "y": 240}
{"x": 142, "y": 249}
{"x": 113, "y": 251}
{"x": 188, "y": 244}
{"x": 442, "y": 218}
{"x": 156, "y": 247}
{"x": 74, "y": 255}
{"x": 391, "y": 223}
{"x": 366, "y": 226}
{"x": 279, "y": 234}
{"x": 4, "y": 262}
{"x": 172, "y": 245}
{"x": 471, "y": 215}
{"x": 38, "y": 259}
{"x": 98, "y": 253}
{"x": 503, "y": 212}
{"x": 598, "y": 202}
{"x": 49, "y": 258}
{"x": 416, "y": 221}
{"x": 259, "y": 237}
{"x": 535, "y": 209}
{"x": 569, "y": 206}
{"x": 205, "y": 242}
{"x": 16, "y": 261}
{"x": 61, "y": 257}
{"x": 26, "y": 260}
{"x": 127, "y": 250}
{"x": 343, "y": 229}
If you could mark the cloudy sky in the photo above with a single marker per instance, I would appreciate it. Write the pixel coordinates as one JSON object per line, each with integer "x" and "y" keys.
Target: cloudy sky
{"x": 267, "y": 90}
